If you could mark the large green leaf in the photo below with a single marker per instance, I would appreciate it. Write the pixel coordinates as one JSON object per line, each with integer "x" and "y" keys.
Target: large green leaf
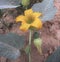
{"x": 10, "y": 44}
{"x": 8, "y": 51}
{"x": 46, "y": 8}
{"x": 49, "y": 14}
{"x": 9, "y": 3}
{"x": 54, "y": 57}
{"x": 13, "y": 40}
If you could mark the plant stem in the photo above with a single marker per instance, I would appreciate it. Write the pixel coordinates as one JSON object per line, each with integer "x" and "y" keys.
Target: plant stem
{"x": 30, "y": 35}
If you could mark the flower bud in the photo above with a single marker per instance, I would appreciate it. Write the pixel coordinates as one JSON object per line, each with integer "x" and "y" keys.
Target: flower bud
{"x": 25, "y": 3}
{"x": 37, "y": 42}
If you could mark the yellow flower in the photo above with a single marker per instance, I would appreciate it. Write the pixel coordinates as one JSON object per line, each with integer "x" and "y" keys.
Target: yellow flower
{"x": 29, "y": 19}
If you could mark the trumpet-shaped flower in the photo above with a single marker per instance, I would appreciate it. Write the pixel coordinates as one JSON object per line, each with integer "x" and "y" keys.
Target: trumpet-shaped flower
{"x": 29, "y": 19}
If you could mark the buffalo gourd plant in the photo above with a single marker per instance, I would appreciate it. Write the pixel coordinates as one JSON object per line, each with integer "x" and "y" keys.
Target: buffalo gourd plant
{"x": 32, "y": 20}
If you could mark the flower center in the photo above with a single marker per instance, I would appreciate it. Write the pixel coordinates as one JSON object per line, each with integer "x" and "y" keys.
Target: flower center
{"x": 30, "y": 19}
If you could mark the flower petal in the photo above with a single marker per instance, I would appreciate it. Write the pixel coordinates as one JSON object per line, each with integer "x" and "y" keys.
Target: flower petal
{"x": 37, "y": 14}
{"x": 24, "y": 26}
{"x": 28, "y": 12}
{"x": 37, "y": 23}
{"x": 20, "y": 18}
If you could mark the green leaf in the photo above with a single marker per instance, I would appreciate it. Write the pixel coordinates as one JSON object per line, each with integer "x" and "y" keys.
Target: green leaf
{"x": 43, "y": 6}
{"x": 27, "y": 49}
{"x": 9, "y": 4}
{"x": 13, "y": 40}
{"x": 10, "y": 44}
{"x": 55, "y": 56}
{"x": 8, "y": 51}
{"x": 49, "y": 14}
{"x": 47, "y": 8}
